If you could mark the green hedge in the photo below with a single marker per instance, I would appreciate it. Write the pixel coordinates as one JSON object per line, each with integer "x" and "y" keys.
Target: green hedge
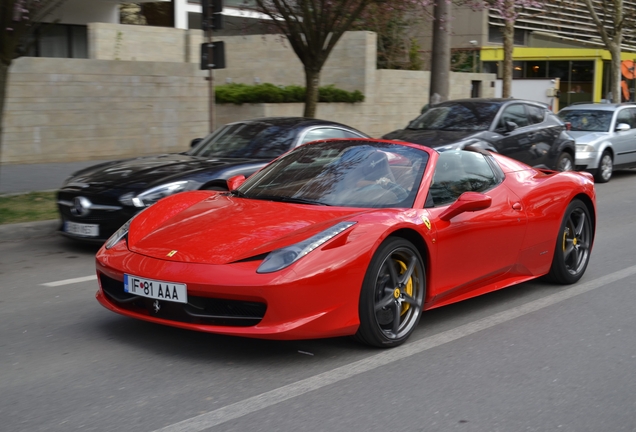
{"x": 270, "y": 93}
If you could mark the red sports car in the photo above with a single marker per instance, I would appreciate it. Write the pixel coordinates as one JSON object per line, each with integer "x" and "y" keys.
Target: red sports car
{"x": 348, "y": 237}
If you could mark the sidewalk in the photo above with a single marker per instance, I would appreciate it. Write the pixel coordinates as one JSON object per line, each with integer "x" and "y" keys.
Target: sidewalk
{"x": 38, "y": 177}
{"x": 32, "y": 178}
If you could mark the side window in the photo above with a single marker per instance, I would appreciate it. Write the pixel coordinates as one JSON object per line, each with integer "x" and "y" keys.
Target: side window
{"x": 623, "y": 117}
{"x": 514, "y": 113}
{"x": 350, "y": 134}
{"x": 460, "y": 171}
{"x": 323, "y": 133}
{"x": 632, "y": 117}
{"x": 536, "y": 114}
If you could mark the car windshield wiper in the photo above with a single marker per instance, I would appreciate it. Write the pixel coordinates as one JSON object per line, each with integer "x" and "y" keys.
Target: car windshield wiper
{"x": 238, "y": 193}
{"x": 289, "y": 199}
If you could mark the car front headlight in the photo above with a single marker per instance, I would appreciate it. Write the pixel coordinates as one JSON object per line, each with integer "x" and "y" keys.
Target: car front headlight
{"x": 119, "y": 234}
{"x": 284, "y": 257}
{"x": 152, "y": 195}
{"x": 585, "y": 148}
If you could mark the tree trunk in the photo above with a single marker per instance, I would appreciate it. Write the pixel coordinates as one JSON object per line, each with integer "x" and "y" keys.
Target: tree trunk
{"x": 441, "y": 56}
{"x": 615, "y": 70}
{"x": 508, "y": 46}
{"x": 312, "y": 82}
{"x": 4, "y": 83}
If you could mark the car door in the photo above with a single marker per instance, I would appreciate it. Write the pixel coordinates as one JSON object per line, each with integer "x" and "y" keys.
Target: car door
{"x": 521, "y": 142}
{"x": 624, "y": 142}
{"x": 473, "y": 247}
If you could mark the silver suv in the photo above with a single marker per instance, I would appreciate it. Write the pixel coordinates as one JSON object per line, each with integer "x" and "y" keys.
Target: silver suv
{"x": 605, "y": 136}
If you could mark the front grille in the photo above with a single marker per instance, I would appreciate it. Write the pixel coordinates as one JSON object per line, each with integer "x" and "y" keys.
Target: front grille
{"x": 198, "y": 310}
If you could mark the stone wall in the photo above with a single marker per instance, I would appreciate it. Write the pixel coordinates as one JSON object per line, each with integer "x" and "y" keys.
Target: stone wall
{"x": 101, "y": 108}
{"x": 60, "y": 110}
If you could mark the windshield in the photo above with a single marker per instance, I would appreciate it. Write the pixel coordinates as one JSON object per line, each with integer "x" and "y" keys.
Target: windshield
{"x": 245, "y": 140}
{"x": 342, "y": 173}
{"x": 457, "y": 117}
{"x": 587, "y": 120}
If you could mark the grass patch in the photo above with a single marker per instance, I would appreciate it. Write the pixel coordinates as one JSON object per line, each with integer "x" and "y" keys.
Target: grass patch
{"x": 29, "y": 207}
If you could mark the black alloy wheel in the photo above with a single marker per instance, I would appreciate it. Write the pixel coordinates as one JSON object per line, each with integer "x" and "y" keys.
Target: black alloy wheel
{"x": 392, "y": 294}
{"x": 573, "y": 245}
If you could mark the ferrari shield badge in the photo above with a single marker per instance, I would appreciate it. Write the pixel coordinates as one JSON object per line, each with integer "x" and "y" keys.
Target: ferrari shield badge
{"x": 426, "y": 222}
{"x": 171, "y": 253}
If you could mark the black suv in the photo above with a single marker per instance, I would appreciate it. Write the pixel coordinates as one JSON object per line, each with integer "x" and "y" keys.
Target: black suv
{"x": 524, "y": 130}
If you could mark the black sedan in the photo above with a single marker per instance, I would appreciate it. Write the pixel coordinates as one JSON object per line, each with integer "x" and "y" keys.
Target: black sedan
{"x": 524, "y": 130}
{"x": 94, "y": 202}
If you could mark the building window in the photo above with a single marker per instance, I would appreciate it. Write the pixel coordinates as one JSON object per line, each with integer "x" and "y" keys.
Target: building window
{"x": 495, "y": 35}
{"x": 60, "y": 41}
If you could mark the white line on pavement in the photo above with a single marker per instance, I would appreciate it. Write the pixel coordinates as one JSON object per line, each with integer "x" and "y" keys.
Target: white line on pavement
{"x": 267, "y": 399}
{"x": 69, "y": 281}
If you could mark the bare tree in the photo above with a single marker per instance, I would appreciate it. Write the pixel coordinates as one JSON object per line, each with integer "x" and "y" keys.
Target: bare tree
{"x": 611, "y": 19}
{"x": 313, "y": 27}
{"x": 18, "y": 19}
{"x": 509, "y": 11}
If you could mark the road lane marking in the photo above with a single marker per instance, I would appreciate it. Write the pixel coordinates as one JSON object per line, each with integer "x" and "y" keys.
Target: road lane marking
{"x": 70, "y": 281}
{"x": 267, "y": 399}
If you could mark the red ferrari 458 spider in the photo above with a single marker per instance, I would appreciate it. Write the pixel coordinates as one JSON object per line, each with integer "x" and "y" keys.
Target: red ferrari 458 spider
{"x": 348, "y": 237}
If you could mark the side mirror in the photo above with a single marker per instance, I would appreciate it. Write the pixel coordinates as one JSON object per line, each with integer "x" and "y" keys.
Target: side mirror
{"x": 510, "y": 126}
{"x": 195, "y": 141}
{"x": 622, "y": 127}
{"x": 235, "y": 182}
{"x": 467, "y": 202}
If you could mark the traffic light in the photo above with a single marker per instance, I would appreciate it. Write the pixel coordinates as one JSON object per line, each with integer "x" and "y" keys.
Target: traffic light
{"x": 218, "y": 56}
{"x": 211, "y": 18}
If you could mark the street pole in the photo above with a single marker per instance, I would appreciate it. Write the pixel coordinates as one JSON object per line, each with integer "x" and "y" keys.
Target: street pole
{"x": 211, "y": 95}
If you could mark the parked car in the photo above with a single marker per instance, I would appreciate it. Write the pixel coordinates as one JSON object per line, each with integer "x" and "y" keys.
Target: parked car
{"x": 348, "y": 237}
{"x": 605, "y": 136}
{"x": 94, "y": 202}
{"x": 524, "y": 130}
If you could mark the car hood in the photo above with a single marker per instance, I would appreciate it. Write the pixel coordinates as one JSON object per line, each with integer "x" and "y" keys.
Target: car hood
{"x": 224, "y": 229}
{"x": 430, "y": 138}
{"x": 584, "y": 137}
{"x": 144, "y": 171}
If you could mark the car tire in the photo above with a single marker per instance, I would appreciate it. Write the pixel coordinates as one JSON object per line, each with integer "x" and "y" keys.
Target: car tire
{"x": 565, "y": 162}
{"x": 573, "y": 244}
{"x": 392, "y": 294}
{"x": 605, "y": 168}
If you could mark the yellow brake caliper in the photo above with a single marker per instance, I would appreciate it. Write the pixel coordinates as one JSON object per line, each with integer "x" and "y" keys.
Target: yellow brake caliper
{"x": 408, "y": 288}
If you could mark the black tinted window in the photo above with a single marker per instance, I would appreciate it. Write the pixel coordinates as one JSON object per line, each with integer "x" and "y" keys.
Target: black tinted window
{"x": 249, "y": 140}
{"x": 536, "y": 114}
{"x": 516, "y": 114}
{"x": 460, "y": 171}
{"x": 458, "y": 117}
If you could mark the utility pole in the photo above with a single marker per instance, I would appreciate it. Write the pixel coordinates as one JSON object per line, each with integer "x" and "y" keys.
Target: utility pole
{"x": 212, "y": 54}
{"x": 441, "y": 53}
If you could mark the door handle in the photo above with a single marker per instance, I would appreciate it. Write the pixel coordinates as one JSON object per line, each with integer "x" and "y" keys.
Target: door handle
{"x": 517, "y": 206}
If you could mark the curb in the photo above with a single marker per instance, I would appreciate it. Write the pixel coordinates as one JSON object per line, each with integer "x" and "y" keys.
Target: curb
{"x": 28, "y": 230}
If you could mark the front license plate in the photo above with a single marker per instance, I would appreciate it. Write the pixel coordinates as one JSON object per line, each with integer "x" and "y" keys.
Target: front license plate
{"x": 80, "y": 229}
{"x": 154, "y": 289}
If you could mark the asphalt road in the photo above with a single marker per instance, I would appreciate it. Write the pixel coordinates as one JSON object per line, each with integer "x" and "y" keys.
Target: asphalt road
{"x": 533, "y": 357}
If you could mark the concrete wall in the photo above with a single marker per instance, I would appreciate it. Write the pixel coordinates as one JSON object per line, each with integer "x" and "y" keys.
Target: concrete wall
{"x": 60, "y": 110}
{"x": 81, "y": 109}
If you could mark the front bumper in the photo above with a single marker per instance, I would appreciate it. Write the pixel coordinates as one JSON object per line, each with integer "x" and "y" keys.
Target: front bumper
{"x": 586, "y": 160}
{"x": 233, "y": 299}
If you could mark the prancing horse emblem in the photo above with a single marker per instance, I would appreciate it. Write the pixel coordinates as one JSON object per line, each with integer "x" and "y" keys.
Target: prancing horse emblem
{"x": 156, "y": 306}
{"x": 171, "y": 253}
